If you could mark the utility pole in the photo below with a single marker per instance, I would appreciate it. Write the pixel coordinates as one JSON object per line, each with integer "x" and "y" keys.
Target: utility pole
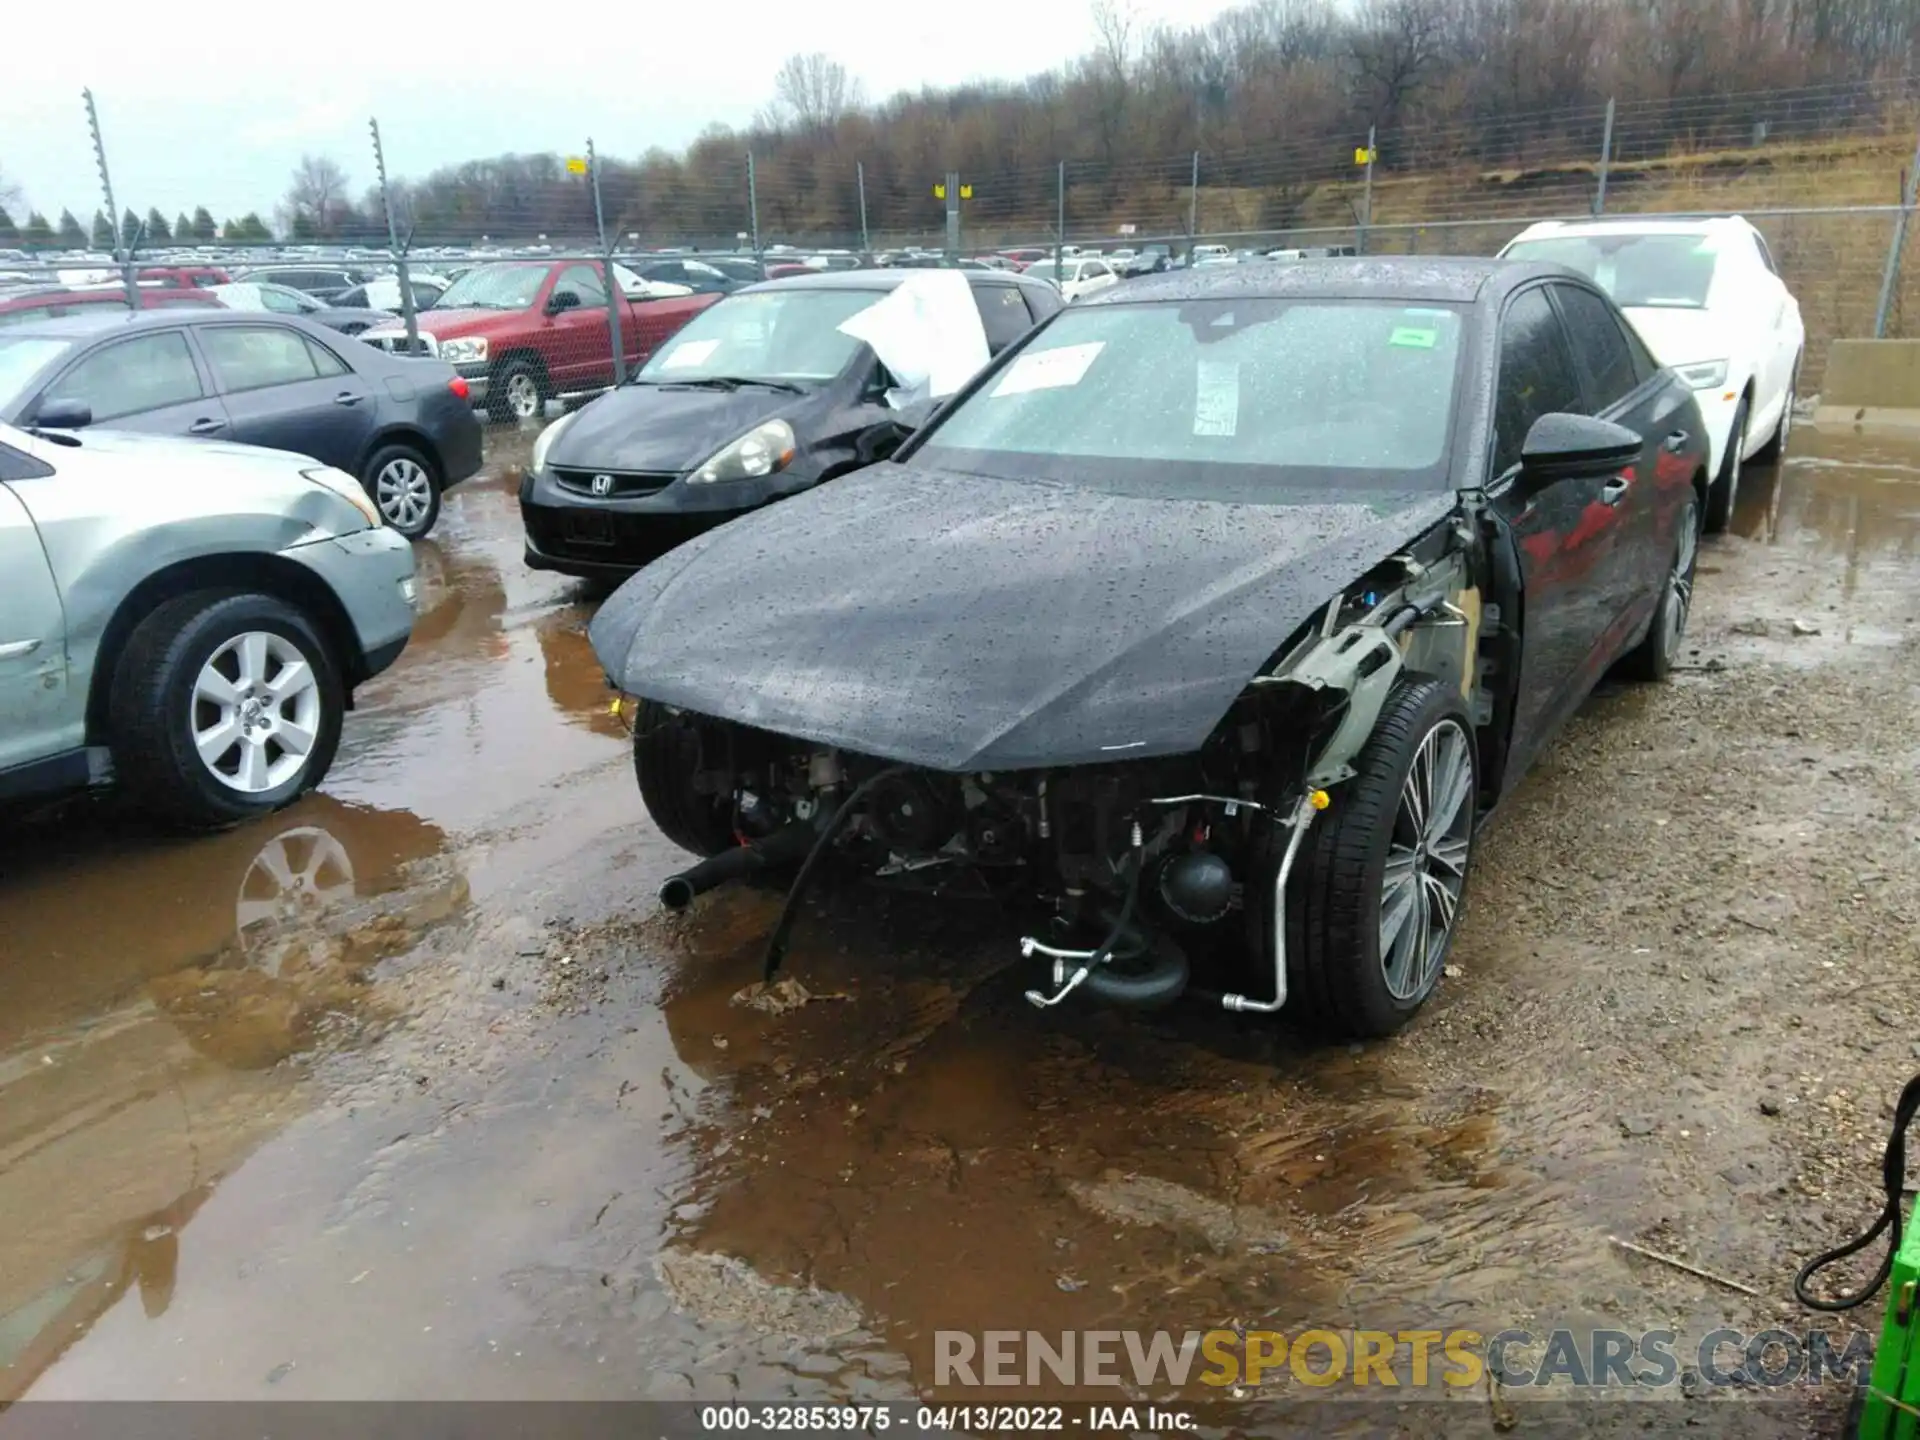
{"x": 860, "y": 178}
{"x": 1060, "y": 230}
{"x": 753, "y": 209}
{"x": 1366, "y": 206}
{"x": 123, "y": 244}
{"x": 1889, "y": 281}
{"x": 398, "y": 250}
{"x": 1193, "y": 206}
{"x": 1606, "y": 159}
{"x": 953, "y": 213}
{"x": 614, "y": 298}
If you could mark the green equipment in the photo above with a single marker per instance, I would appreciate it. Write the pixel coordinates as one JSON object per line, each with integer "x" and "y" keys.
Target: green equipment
{"x": 1891, "y": 1408}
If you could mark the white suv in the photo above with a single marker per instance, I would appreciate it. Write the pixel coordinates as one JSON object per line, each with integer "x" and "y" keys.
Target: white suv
{"x": 1708, "y": 299}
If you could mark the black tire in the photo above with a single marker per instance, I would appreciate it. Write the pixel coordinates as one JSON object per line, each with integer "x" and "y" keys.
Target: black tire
{"x": 1724, "y": 492}
{"x": 405, "y": 488}
{"x": 1776, "y": 445}
{"x": 1336, "y": 979}
{"x": 153, "y": 710}
{"x": 666, "y": 754}
{"x": 1653, "y": 658}
{"x": 504, "y": 390}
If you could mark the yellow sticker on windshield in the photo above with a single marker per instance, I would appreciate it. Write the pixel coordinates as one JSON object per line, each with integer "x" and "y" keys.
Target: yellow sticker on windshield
{"x": 1414, "y": 339}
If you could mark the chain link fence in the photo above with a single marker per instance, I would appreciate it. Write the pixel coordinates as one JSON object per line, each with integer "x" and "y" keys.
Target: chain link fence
{"x": 1827, "y": 173}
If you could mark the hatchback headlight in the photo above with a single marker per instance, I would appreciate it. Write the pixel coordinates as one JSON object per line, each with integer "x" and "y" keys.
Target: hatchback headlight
{"x": 544, "y": 442}
{"x": 763, "y": 450}
{"x": 348, "y": 489}
{"x": 464, "y": 351}
{"x": 1703, "y": 374}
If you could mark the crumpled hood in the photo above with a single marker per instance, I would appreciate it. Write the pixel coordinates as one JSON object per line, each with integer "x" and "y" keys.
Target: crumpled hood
{"x": 663, "y": 427}
{"x": 964, "y": 623}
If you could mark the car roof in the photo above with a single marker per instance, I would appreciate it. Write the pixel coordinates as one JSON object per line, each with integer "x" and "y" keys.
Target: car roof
{"x": 1632, "y": 224}
{"x": 1439, "y": 280}
{"x": 98, "y": 318}
{"x": 877, "y": 281}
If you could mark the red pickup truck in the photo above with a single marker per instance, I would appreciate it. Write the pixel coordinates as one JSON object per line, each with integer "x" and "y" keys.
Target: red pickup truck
{"x": 523, "y": 332}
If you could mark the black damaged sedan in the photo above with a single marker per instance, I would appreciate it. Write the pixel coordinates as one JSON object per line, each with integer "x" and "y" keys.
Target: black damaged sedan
{"x": 1214, "y": 617}
{"x": 757, "y": 398}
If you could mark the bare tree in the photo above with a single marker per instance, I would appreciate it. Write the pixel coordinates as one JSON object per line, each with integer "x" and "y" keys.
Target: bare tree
{"x": 1395, "y": 50}
{"x": 318, "y": 191}
{"x": 811, "y": 93}
{"x": 11, "y": 195}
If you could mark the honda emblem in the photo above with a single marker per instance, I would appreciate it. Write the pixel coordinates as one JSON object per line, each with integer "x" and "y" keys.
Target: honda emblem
{"x": 603, "y": 484}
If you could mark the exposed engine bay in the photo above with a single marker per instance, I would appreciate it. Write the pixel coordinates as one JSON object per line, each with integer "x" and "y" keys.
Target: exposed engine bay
{"x": 1140, "y": 862}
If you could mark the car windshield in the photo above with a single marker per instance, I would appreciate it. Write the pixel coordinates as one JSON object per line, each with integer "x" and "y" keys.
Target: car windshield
{"x": 1231, "y": 399}
{"x": 22, "y": 357}
{"x": 494, "y": 287}
{"x": 1047, "y": 270}
{"x": 785, "y": 335}
{"x": 1669, "y": 271}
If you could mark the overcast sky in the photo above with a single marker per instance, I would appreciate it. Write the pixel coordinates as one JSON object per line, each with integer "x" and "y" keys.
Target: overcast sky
{"x": 216, "y": 111}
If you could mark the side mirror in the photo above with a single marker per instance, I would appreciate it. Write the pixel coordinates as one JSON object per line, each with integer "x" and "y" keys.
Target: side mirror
{"x": 63, "y": 415}
{"x": 1566, "y": 447}
{"x": 562, "y": 300}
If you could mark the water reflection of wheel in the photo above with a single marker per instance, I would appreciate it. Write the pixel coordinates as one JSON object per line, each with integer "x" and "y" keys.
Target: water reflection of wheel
{"x": 291, "y": 882}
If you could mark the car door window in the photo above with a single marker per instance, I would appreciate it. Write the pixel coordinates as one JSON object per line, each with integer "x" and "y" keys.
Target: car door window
{"x": 131, "y": 377}
{"x": 1003, "y": 315}
{"x": 1766, "y": 255}
{"x": 1537, "y": 375}
{"x": 1097, "y": 269}
{"x": 279, "y": 302}
{"x": 1598, "y": 339}
{"x": 583, "y": 284}
{"x": 254, "y": 357}
{"x": 325, "y": 362}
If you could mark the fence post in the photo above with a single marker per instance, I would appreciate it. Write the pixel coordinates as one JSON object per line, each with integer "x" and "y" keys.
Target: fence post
{"x": 394, "y": 246}
{"x": 615, "y": 298}
{"x": 1193, "y": 206}
{"x": 860, "y": 177}
{"x": 1890, "y": 280}
{"x": 1366, "y": 200}
{"x": 123, "y": 244}
{"x": 953, "y": 214}
{"x": 753, "y": 210}
{"x": 1060, "y": 228}
{"x": 1606, "y": 159}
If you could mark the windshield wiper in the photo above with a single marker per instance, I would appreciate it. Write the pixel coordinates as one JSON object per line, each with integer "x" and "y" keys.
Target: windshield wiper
{"x": 734, "y": 382}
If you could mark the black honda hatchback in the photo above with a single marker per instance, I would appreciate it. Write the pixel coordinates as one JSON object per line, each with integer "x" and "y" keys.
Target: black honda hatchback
{"x": 774, "y": 389}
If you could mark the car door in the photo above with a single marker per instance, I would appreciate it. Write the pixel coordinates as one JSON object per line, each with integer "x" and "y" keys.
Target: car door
{"x": 1632, "y": 561}
{"x": 1565, "y": 551}
{"x": 581, "y": 353}
{"x": 151, "y": 382}
{"x": 36, "y": 718}
{"x": 1782, "y": 334}
{"x": 285, "y": 390}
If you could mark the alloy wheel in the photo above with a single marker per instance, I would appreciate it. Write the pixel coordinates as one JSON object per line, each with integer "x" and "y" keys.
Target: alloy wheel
{"x": 1426, "y": 869}
{"x": 255, "y": 712}
{"x": 523, "y": 396}
{"x": 404, "y": 492}
{"x": 1680, "y": 578}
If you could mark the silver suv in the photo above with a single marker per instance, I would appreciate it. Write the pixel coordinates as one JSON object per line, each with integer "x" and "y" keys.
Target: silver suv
{"x": 187, "y": 618}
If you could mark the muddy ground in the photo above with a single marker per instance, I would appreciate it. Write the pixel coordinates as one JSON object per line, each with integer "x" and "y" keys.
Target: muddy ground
{"x": 411, "y": 1092}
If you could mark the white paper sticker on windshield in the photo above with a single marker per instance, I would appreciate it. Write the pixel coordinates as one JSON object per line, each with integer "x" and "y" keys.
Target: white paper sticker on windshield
{"x": 1048, "y": 369}
{"x": 689, "y": 353}
{"x": 1216, "y": 400}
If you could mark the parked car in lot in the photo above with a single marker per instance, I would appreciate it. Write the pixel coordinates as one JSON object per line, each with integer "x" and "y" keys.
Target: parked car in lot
{"x": 321, "y": 282}
{"x": 187, "y": 619}
{"x": 384, "y": 294}
{"x": 188, "y": 276}
{"x": 770, "y": 392}
{"x": 1077, "y": 276}
{"x": 262, "y": 298}
{"x": 697, "y": 275}
{"x": 1214, "y": 614}
{"x": 26, "y": 307}
{"x": 406, "y": 428}
{"x": 523, "y": 332}
{"x": 1708, "y": 299}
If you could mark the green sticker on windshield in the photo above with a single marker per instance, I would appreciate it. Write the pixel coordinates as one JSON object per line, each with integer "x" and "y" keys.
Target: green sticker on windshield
{"x": 1414, "y": 339}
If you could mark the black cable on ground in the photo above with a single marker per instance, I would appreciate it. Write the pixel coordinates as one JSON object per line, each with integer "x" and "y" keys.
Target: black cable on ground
{"x": 1894, "y": 1178}
{"x": 777, "y": 941}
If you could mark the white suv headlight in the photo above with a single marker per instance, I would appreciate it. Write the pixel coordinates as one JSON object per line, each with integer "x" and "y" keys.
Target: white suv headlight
{"x": 348, "y": 489}
{"x": 462, "y": 351}
{"x": 761, "y": 451}
{"x": 1703, "y": 374}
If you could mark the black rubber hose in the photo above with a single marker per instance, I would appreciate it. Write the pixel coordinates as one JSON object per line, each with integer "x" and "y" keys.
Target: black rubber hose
{"x": 1893, "y": 1175}
{"x": 1160, "y": 983}
{"x": 783, "y": 847}
{"x": 777, "y": 941}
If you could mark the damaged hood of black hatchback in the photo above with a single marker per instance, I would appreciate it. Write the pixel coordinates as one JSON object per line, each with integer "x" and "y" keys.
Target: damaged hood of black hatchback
{"x": 964, "y": 623}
